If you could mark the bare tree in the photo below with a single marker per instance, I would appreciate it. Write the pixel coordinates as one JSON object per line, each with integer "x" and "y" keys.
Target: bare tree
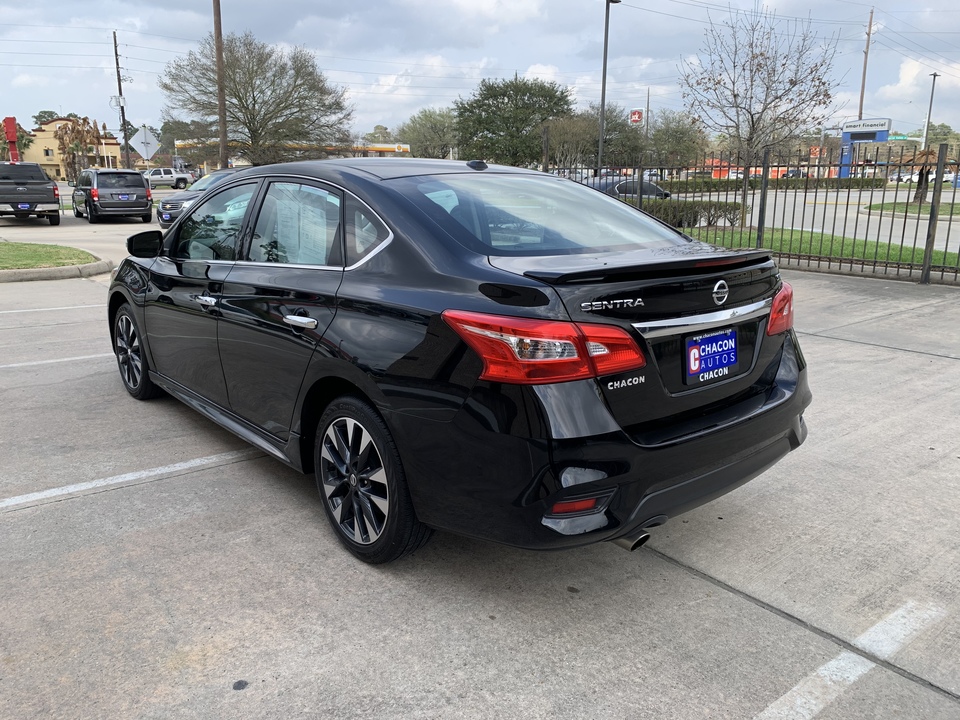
{"x": 759, "y": 81}
{"x": 280, "y": 106}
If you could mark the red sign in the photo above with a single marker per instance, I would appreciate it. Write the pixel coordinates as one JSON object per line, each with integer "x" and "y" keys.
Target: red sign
{"x": 636, "y": 117}
{"x": 10, "y": 129}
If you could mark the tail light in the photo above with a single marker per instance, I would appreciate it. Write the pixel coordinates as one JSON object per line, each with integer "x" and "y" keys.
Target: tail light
{"x": 781, "y": 315}
{"x": 528, "y": 351}
{"x": 56, "y": 192}
{"x": 94, "y": 194}
{"x": 149, "y": 194}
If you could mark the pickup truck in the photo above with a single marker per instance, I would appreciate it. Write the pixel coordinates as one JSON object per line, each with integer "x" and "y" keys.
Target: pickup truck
{"x": 25, "y": 190}
{"x": 168, "y": 176}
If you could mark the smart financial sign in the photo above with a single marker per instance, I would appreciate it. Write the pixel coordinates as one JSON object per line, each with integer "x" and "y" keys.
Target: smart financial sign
{"x": 861, "y": 131}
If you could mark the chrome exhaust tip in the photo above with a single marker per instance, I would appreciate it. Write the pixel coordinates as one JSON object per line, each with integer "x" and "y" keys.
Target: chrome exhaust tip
{"x": 632, "y": 542}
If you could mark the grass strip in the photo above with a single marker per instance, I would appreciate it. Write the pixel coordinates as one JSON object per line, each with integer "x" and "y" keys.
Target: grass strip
{"x": 798, "y": 242}
{"x": 945, "y": 209}
{"x": 21, "y": 256}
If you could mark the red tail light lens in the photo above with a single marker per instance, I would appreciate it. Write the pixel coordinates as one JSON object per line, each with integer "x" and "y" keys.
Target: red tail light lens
{"x": 94, "y": 194}
{"x": 529, "y": 352}
{"x": 781, "y": 315}
{"x": 573, "y": 506}
{"x": 149, "y": 194}
{"x": 56, "y": 191}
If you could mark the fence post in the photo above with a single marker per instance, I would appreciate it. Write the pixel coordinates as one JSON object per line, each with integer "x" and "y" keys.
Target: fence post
{"x": 764, "y": 184}
{"x": 934, "y": 216}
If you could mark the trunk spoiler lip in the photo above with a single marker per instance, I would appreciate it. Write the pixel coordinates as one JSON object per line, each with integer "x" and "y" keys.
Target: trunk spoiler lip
{"x": 575, "y": 269}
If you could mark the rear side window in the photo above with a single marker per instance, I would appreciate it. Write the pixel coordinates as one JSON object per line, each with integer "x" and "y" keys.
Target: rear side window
{"x": 297, "y": 224}
{"x": 365, "y": 232}
{"x": 22, "y": 172}
{"x": 533, "y": 215}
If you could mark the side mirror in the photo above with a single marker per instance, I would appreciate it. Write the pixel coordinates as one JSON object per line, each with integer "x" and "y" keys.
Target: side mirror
{"x": 145, "y": 244}
{"x": 71, "y": 184}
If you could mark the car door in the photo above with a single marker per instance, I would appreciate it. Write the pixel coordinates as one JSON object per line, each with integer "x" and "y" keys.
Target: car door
{"x": 81, "y": 189}
{"x": 279, "y": 298}
{"x": 182, "y": 304}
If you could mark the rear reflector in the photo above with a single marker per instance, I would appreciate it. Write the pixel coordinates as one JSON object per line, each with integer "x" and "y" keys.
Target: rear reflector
{"x": 781, "y": 314}
{"x": 529, "y": 351}
{"x": 573, "y": 506}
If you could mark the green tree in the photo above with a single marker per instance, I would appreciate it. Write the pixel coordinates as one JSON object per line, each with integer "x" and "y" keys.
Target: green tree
{"x": 676, "y": 139}
{"x": 380, "y": 134}
{"x": 44, "y": 116}
{"x": 280, "y": 106}
{"x": 430, "y": 133}
{"x": 503, "y": 120}
{"x": 573, "y": 140}
{"x": 199, "y": 140}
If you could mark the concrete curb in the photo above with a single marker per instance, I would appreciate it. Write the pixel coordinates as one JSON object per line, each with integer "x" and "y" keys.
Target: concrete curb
{"x": 57, "y": 273}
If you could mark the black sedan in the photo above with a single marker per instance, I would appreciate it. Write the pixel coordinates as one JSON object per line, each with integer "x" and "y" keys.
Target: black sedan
{"x": 628, "y": 188}
{"x": 487, "y": 350}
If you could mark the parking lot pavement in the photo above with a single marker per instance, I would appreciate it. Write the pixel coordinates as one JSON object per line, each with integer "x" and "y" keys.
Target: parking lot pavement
{"x": 154, "y": 566}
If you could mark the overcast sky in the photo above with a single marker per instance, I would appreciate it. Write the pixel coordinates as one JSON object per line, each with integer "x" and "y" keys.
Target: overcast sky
{"x": 396, "y": 57}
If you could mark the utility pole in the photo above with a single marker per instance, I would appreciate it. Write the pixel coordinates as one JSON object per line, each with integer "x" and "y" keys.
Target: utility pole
{"x": 121, "y": 102}
{"x": 221, "y": 92}
{"x": 646, "y": 118}
{"x": 926, "y": 126}
{"x": 866, "y": 54}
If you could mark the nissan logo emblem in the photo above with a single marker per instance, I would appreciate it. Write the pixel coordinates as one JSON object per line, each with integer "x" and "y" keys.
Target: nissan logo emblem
{"x": 720, "y": 292}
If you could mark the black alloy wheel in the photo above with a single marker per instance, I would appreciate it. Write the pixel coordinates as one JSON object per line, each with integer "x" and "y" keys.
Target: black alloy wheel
{"x": 134, "y": 370}
{"x": 76, "y": 211}
{"x": 92, "y": 216}
{"x": 361, "y": 481}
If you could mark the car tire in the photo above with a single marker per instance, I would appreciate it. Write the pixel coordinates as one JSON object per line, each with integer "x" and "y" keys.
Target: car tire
{"x": 76, "y": 212}
{"x": 147, "y": 218}
{"x": 54, "y": 219}
{"x": 180, "y": 184}
{"x": 128, "y": 347}
{"x": 362, "y": 486}
{"x": 92, "y": 216}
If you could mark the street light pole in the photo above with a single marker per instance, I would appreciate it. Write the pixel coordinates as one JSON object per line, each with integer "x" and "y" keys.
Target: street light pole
{"x": 926, "y": 127}
{"x": 603, "y": 78}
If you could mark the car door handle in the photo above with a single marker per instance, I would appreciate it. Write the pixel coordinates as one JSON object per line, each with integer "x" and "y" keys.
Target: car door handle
{"x": 206, "y": 300}
{"x": 301, "y": 322}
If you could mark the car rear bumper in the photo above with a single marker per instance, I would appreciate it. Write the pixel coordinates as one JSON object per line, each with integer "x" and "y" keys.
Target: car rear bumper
{"x": 497, "y": 470}
{"x": 138, "y": 209}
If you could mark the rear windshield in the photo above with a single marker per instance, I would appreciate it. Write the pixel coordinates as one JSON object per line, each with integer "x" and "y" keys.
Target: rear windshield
{"x": 532, "y": 215}
{"x": 121, "y": 180}
{"x": 22, "y": 172}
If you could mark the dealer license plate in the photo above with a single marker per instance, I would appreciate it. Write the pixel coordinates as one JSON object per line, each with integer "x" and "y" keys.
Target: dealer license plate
{"x": 711, "y": 357}
{"x": 166, "y": 216}
{"x": 124, "y": 196}
{"x": 23, "y": 206}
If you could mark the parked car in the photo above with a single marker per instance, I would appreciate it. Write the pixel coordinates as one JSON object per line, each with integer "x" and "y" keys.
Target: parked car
{"x": 169, "y": 208}
{"x": 25, "y": 190}
{"x": 628, "y": 188}
{"x": 794, "y": 173}
{"x": 488, "y": 350}
{"x": 101, "y": 192}
{"x": 170, "y": 177}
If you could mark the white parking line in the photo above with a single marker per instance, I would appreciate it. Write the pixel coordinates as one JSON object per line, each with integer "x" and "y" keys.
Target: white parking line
{"x": 221, "y": 459}
{"x": 58, "y": 360}
{"x": 68, "y": 307}
{"x": 827, "y": 683}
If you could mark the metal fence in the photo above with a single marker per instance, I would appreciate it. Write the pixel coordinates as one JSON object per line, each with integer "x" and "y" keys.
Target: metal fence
{"x": 881, "y": 214}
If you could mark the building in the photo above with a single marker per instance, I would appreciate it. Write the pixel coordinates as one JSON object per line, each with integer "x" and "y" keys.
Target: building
{"x": 45, "y": 150}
